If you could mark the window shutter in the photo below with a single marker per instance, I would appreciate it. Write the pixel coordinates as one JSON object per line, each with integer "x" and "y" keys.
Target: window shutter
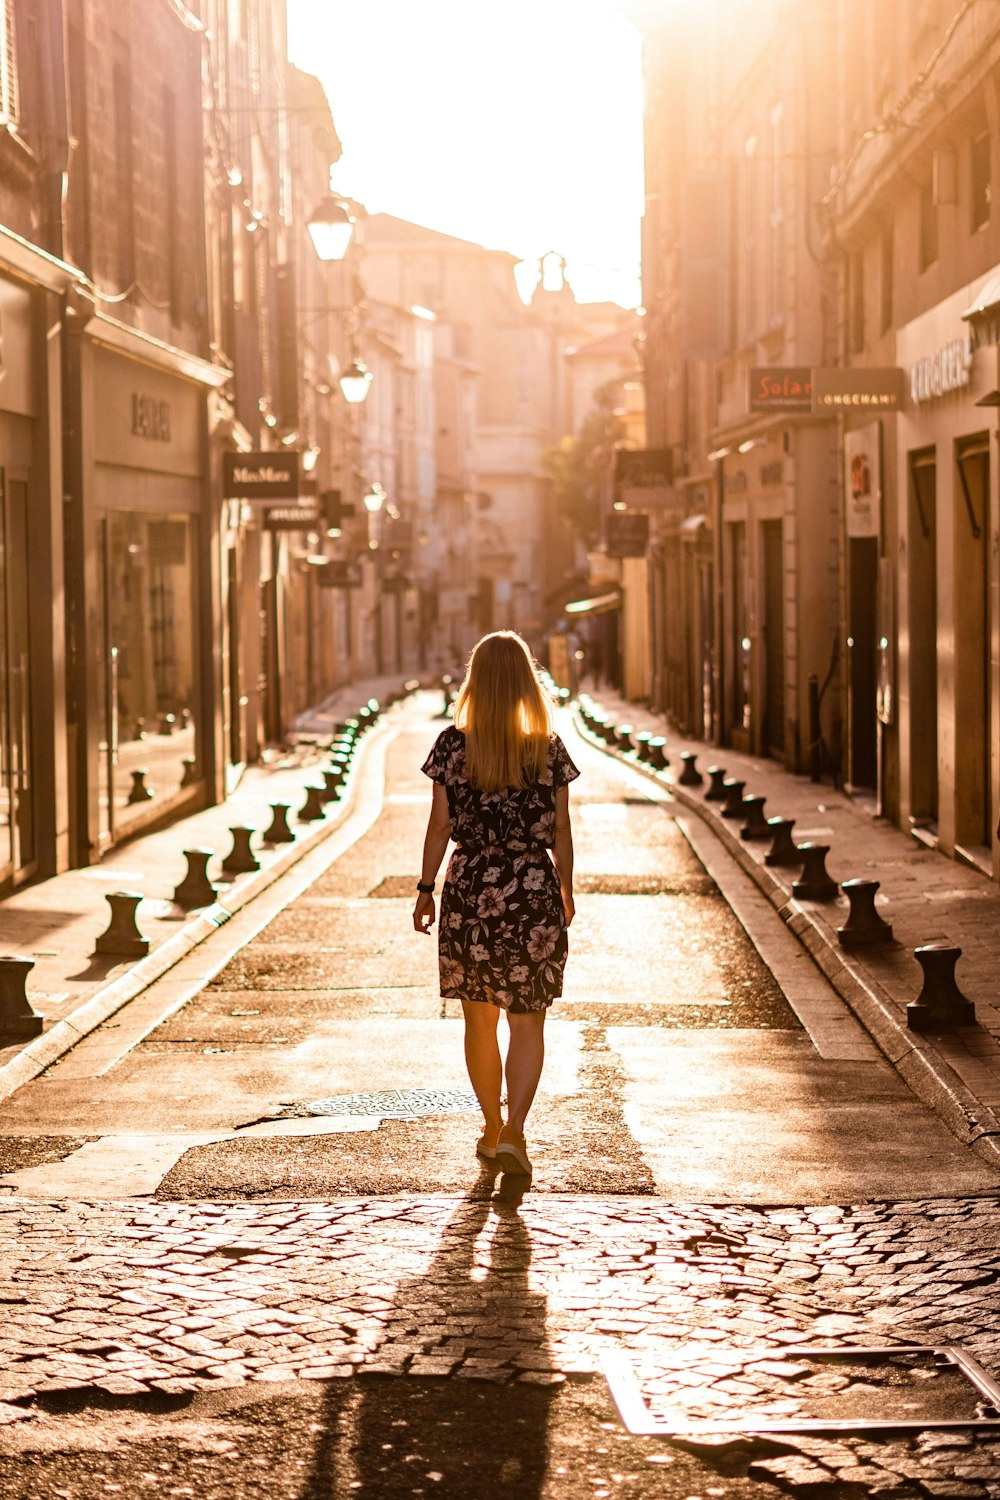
{"x": 8, "y": 66}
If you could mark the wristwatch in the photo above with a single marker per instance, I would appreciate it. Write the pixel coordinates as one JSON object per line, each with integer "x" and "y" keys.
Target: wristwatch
{"x": 426, "y": 887}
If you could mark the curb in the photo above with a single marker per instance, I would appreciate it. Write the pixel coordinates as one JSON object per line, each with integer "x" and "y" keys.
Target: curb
{"x": 51, "y": 1045}
{"x": 926, "y": 1073}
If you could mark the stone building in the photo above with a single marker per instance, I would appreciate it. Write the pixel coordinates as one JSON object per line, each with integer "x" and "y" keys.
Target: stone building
{"x": 822, "y": 282}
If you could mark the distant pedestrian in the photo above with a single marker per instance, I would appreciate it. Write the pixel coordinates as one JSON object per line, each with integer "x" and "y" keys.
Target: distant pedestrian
{"x": 501, "y": 792}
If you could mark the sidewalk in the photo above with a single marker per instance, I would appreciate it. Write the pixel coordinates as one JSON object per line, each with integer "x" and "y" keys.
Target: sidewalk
{"x": 56, "y": 922}
{"x": 926, "y": 897}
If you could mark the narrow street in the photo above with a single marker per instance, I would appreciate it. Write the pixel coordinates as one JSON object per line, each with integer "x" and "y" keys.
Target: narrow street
{"x": 291, "y": 1276}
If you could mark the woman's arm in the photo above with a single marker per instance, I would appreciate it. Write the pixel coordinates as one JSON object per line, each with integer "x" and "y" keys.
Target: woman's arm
{"x": 562, "y": 853}
{"x": 435, "y": 843}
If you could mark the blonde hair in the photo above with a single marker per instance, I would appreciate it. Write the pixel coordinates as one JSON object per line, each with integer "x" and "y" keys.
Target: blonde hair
{"x": 504, "y": 711}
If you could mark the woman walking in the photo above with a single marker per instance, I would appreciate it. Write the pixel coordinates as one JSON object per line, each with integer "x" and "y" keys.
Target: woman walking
{"x": 501, "y": 792}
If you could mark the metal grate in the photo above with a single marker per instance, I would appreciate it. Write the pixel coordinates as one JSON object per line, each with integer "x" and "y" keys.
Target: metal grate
{"x": 397, "y": 1104}
{"x": 909, "y": 1387}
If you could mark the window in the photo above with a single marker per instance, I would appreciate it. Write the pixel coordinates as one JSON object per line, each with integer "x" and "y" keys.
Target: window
{"x": 856, "y": 293}
{"x": 928, "y": 225}
{"x": 980, "y": 182}
{"x": 8, "y": 64}
{"x": 776, "y": 222}
{"x": 125, "y": 173}
{"x": 887, "y": 256}
{"x": 749, "y": 217}
{"x": 171, "y": 203}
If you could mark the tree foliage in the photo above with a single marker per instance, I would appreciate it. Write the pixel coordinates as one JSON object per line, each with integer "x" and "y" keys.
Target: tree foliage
{"x": 579, "y": 467}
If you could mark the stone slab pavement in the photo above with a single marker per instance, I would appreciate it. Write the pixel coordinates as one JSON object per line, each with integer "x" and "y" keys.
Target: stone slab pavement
{"x": 924, "y": 895}
{"x": 56, "y": 922}
{"x": 134, "y": 1299}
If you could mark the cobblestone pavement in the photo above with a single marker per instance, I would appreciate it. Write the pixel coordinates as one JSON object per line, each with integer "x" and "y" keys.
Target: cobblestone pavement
{"x": 139, "y": 1298}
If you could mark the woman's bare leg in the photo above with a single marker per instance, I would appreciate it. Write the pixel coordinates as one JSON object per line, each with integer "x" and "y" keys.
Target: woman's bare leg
{"x": 482, "y": 1058}
{"x": 525, "y": 1056}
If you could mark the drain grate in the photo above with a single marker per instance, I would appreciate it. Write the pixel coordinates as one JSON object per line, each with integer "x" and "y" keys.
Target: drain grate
{"x": 397, "y": 1104}
{"x": 911, "y": 1387}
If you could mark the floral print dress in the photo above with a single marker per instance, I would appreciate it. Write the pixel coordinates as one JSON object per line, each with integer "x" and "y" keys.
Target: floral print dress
{"x": 502, "y": 932}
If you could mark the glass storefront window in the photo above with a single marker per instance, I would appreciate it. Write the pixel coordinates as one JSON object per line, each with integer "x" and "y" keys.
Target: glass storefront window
{"x": 151, "y": 736}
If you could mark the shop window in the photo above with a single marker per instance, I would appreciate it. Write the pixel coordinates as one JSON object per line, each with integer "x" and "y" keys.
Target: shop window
{"x": 980, "y": 182}
{"x": 928, "y": 240}
{"x": 151, "y": 614}
{"x": 887, "y": 256}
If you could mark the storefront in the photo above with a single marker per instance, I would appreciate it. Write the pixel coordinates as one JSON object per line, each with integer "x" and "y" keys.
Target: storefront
{"x": 33, "y": 759}
{"x": 947, "y": 577}
{"x": 148, "y": 688}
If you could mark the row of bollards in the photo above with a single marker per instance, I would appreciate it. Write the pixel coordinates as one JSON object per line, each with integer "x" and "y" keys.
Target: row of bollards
{"x": 122, "y": 937}
{"x": 940, "y": 1005}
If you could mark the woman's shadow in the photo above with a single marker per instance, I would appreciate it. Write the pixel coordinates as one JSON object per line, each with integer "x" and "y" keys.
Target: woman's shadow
{"x": 463, "y": 1434}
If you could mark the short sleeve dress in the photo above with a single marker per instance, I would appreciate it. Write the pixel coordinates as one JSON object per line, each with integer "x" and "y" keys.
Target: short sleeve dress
{"x": 502, "y": 929}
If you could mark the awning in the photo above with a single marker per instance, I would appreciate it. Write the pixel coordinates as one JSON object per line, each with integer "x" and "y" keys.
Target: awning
{"x": 988, "y": 301}
{"x": 599, "y": 604}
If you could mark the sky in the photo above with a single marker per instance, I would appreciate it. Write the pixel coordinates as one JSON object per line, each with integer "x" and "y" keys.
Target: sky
{"x": 516, "y": 124}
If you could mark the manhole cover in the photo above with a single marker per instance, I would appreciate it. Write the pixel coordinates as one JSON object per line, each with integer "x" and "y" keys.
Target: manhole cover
{"x": 396, "y": 1104}
{"x": 840, "y": 1389}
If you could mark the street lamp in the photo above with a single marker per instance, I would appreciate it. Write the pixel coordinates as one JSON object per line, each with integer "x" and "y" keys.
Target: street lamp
{"x": 330, "y": 227}
{"x": 374, "y": 500}
{"x": 355, "y": 382}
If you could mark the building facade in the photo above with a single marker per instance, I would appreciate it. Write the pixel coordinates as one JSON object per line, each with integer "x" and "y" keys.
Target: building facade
{"x": 821, "y": 255}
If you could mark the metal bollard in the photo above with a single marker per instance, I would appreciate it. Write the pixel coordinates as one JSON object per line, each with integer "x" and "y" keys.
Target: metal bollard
{"x": 755, "y": 826}
{"x": 139, "y": 732}
{"x": 279, "y": 831}
{"x": 690, "y": 776}
{"x": 940, "y": 1006}
{"x": 241, "y": 859}
{"x": 17, "y": 1015}
{"x": 312, "y": 807}
{"x": 814, "y": 884}
{"x": 333, "y": 784}
{"x": 122, "y": 936}
{"x": 783, "y": 850}
{"x": 140, "y": 792}
{"x": 196, "y": 889}
{"x": 716, "y": 791}
{"x": 166, "y": 724}
{"x": 190, "y": 775}
{"x": 658, "y": 757}
{"x": 641, "y": 741}
{"x": 734, "y": 798}
{"x": 863, "y": 925}
{"x": 623, "y": 736}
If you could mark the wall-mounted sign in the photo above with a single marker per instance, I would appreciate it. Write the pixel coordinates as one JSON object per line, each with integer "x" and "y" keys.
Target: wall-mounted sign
{"x": 880, "y": 389}
{"x": 780, "y": 388}
{"x": 644, "y": 476}
{"x": 338, "y": 574}
{"x": 291, "y": 518}
{"x": 260, "y": 476}
{"x": 150, "y": 418}
{"x": 862, "y": 480}
{"x": 627, "y": 533}
{"x": 947, "y": 369}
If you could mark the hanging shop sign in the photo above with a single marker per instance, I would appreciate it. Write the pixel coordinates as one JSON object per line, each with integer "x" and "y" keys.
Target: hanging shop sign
{"x": 947, "y": 369}
{"x": 780, "y": 388}
{"x": 260, "y": 476}
{"x": 304, "y": 517}
{"x": 863, "y": 480}
{"x": 627, "y": 533}
{"x": 880, "y": 389}
{"x": 643, "y": 477}
{"x": 338, "y": 574}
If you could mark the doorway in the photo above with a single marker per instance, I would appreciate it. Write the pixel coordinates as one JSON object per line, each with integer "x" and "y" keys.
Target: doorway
{"x": 862, "y": 642}
{"x": 973, "y": 802}
{"x": 17, "y": 806}
{"x": 922, "y": 614}
{"x": 774, "y": 639}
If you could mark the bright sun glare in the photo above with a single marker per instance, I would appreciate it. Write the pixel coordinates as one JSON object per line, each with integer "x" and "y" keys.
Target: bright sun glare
{"x": 513, "y": 123}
